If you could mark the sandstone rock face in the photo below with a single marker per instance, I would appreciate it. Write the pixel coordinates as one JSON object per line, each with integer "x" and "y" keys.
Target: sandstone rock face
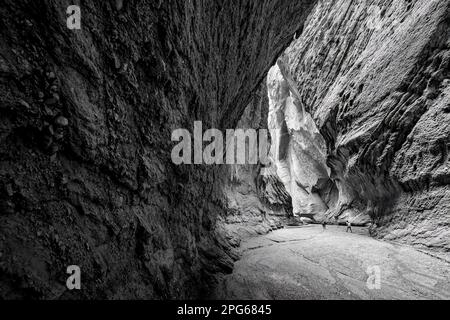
{"x": 257, "y": 201}
{"x": 98, "y": 189}
{"x": 376, "y": 80}
{"x": 86, "y": 177}
{"x": 298, "y": 150}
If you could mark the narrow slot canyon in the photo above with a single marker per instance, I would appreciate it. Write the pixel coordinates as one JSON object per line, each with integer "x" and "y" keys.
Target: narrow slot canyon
{"x": 354, "y": 97}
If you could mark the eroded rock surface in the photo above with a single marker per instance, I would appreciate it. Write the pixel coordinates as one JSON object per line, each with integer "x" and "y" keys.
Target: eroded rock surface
{"x": 298, "y": 150}
{"x": 98, "y": 189}
{"x": 257, "y": 201}
{"x": 376, "y": 80}
{"x": 86, "y": 176}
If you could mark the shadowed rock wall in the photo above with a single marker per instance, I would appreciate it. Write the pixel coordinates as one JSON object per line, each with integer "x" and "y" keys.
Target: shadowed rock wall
{"x": 86, "y": 176}
{"x": 257, "y": 201}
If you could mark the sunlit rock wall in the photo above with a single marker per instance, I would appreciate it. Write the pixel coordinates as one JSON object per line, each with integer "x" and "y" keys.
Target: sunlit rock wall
{"x": 375, "y": 77}
{"x": 298, "y": 150}
{"x": 257, "y": 201}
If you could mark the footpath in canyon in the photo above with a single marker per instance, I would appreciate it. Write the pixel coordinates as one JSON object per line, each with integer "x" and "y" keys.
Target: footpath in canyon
{"x": 311, "y": 263}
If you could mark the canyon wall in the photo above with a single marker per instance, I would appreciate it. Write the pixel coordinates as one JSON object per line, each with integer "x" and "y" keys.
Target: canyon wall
{"x": 86, "y": 176}
{"x": 375, "y": 77}
{"x": 298, "y": 150}
{"x": 257, "y": 201}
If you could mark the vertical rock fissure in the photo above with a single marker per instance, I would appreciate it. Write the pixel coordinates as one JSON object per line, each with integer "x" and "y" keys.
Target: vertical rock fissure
{"x": 298, "y": 149}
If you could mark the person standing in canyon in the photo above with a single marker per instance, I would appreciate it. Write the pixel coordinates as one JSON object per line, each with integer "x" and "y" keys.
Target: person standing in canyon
{"x": 349, "y": 226}
{"x": 324, "y": 224}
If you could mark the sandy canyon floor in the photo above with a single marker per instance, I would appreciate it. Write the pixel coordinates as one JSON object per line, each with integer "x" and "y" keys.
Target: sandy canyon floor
{"x": 312, "y": 263}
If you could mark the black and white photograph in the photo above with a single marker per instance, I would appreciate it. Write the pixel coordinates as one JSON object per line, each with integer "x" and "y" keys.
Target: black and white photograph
{"x": 223, "y": 155}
